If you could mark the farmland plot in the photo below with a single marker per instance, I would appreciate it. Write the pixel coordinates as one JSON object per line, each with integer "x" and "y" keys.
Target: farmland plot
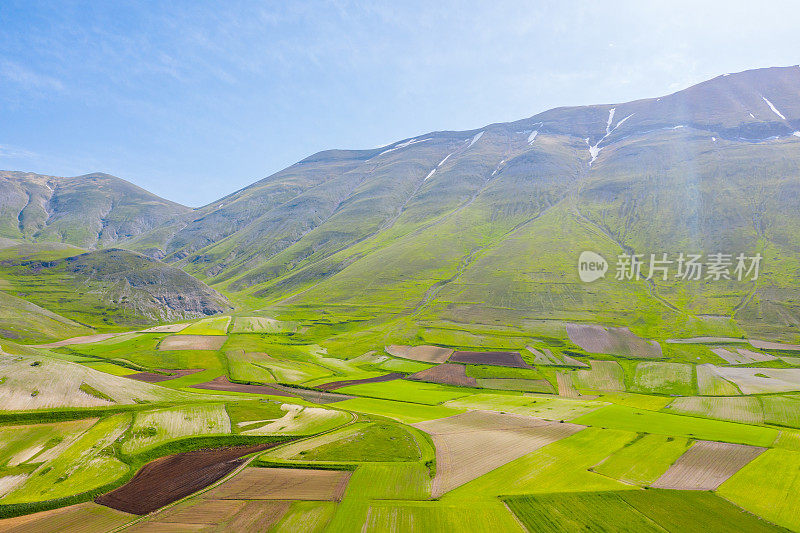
{"x": 27, "y": 443}
{"x": 167, "y": 328}
{"x": 536, "y": 406}
{"x": 663, "y": 378}
{"x": 80, "y": 518}
{"x": 510, "y": 359}
{"x": 446, "y": 374}
{"x": 761, "y": 380}
{"x": 744, "y": 409}
{"x": 424, "y": 354}
{"x": 643, "y": 461}
{"x": 257, "y": 324}
{"x": 742, "y": 356}
{"x": 208, "y": 326}
{"x": 603, "y": 376}
{"x": 610, "y": 340}
{"x": 474, "y": 443}
{"x": 154, "y": 427}
{"x": 765, "y": 345}
{"x": 635, "y": 510}
{"x": 424, "y": 517}
{"x": 300, "y": 420}
{"x": 192, "y": 342}
{"x": 706, "y": 465}
{"x": 283, "y": 484}
{"x": 545, "y": 357}
{"x": 226, "y": 515}
{"x": 77, "y": 466}
{"x": 781, "y": 411}
{"x": 566, "y": 387}
{"x": 709, "y": 383}
{"x": 42, "y": 383}
{"x": 309, "y": 517}
{"x": 768, "y": 486}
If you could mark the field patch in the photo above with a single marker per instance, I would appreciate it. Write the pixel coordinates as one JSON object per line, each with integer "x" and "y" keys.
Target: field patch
{"x": 171, "y": 478}
{"x": 208, "y": 326}
{"x": 768, "y": 486}
{"x": 709, "y": 383}
{"x": 81, "y": 518}
{"x": 300, "y": 420}
{"x": 333, "y": 385}
{"x": 445, "y": 374}
{"x": 603, "y": 376}
{"x": 167, "y": 328}
{"x": 742, "y": 356}
{"x": 642, "y": 510}
{"x": 644, "y": 460}
{"x": 407, "y": 413}
{"x": 283, "y": 484}
{"x": 611, "y": 340}
{"x": 476, "y": 442}
{"x": 663, "y": 378}
{"x": 202, "y": 514}
{"x": 765, "y": 345}
{"x": 424, "y": 517}
{"x": 545, "y": 357}
{"x": 155, "y": 427}
{"x": 643, "y": 421}
{"x": 706, "y": 465}
{"x": 192, "y": 342}
{"x": 781, "y": 411}
{"x": 424, "y": 354}
{"x": 744, "y": 409}
{"x": 408, "y": 391}
{"x": 257, "y": 324}
{"x": 510, "y": 359}
{"x": 165, "y": 375}
{"x": 761, "y": 380}
{"x": 44, "y": 383}
{"x": 222, "y": 383}
{"x": 536, "y": 406}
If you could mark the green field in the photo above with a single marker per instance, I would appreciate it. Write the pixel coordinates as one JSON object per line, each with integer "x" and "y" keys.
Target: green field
{"x": 643, "y": 460}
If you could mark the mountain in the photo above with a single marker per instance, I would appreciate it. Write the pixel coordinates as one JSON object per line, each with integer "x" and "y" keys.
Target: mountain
{"x": 103, "y": 288}
{"x": 489, "y": 223}
{"x": 90, "y": 211}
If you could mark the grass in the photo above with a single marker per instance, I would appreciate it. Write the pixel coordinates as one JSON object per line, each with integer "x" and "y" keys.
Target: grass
{"x": 502, "y": 372}
{"x": 664, "y": 378}
{"x": 781, "y": 411}
{"x": 153, "y": 428}
{"x": 644, "y": 460}
{"x": 422, "y": 517}
{"x": 86, "y": 463}
{"x": 310, "y": 517}
{"x": 646, "y": 510}
{"x": 407, "y": 413}
{"x": 539, "y": 406}
{"x": 208, "y": 326}
{"x": 768, "y": 487}
{"x": 639, "y": 420}
{"x": 407, "y": 391}
{"x": 377, "y": 442}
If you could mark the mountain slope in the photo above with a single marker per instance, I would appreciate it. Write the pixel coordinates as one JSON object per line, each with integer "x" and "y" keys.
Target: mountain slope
{"x": 105, "y": 288}
{"x": 91, "y": 211}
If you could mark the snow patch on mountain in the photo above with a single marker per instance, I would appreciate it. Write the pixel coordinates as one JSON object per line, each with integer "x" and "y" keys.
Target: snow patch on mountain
{"x": 475, "y": 139}
{"x": 497, "y": 169}
{"x": 431, "y": 173}
{"x": 610, "y": 119}
{"x": 532, "y": 136}
{"x": 404, "y": 144}
{"x": 796, "y": 134}
{"x": 774, "y": 109}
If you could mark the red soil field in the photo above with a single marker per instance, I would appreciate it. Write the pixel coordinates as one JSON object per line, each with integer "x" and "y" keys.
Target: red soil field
{"x": 333, "y": 385}
{"x": 171, "y": 478}
{"x": 222, "y": 383}
{"x": 512, "y": 359}
{"x": 446, "y": 374}
{"x": 152, "y": 377}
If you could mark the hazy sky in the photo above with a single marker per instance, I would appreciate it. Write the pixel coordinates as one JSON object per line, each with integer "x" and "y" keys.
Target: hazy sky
{"x": 193, "y": 100}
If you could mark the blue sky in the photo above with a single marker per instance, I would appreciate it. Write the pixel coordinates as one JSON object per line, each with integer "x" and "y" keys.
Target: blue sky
{"x": 193, "y": 100}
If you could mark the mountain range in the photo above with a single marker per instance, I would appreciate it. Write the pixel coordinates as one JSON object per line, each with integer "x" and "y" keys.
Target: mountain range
{"x": 457, "y": 228}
